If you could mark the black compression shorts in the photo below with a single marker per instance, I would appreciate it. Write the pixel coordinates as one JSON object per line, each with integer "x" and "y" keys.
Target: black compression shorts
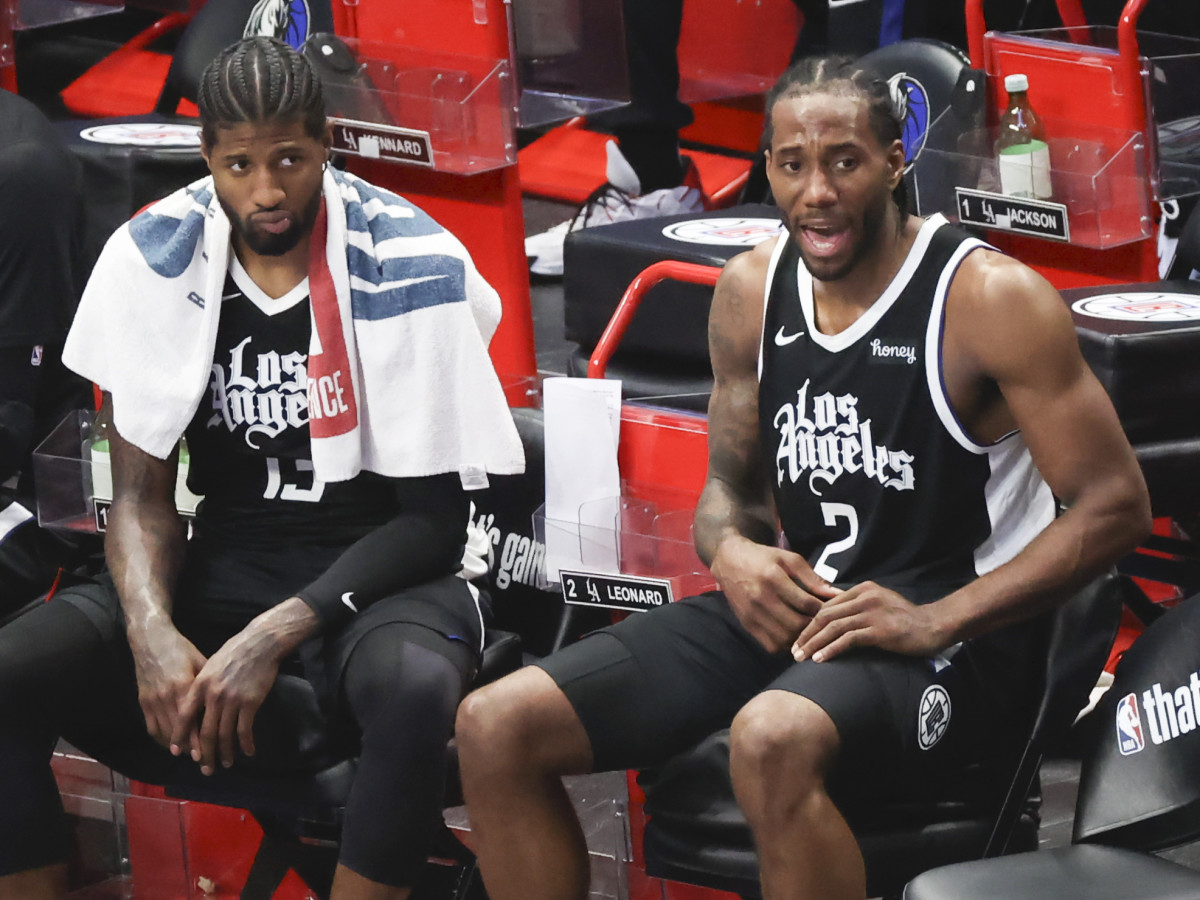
{"x": 657, "y": 683}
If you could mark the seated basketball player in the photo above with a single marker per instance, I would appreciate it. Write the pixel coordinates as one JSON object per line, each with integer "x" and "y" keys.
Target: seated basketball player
{"x": 323, "y": 346}
{"x": 904, "y": 404}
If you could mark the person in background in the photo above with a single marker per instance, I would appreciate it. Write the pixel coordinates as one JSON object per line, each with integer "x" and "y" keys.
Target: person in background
{"x": 41, "y": 233}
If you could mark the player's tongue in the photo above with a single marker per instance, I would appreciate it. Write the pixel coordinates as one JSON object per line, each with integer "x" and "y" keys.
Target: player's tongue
{"x": 824, "y": 240}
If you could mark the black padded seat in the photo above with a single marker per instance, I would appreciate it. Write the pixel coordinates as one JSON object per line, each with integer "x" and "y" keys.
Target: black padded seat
{"x": 1065, "y": 873}
{"x": 671, "y": 325}
{"x": 1143, "y": 343}
{"x": 1171, "y": 469}
{"x": 120, "y": 179}
{"x": 696, "y": 832}
{"x": 1139, "y": 790}
{"x": 930, "y": 78}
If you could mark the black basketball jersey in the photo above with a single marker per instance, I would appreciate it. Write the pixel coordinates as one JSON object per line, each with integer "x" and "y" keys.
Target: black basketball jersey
{"x": 873, "y": 476}
{"x": 251, "y": 456}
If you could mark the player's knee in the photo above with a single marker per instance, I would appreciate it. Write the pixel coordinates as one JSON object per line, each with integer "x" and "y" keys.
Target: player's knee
{"x": 495, "y": 728}
{"x": 780, "y": 739}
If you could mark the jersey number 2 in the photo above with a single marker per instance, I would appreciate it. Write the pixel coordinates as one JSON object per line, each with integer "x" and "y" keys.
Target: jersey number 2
{"x": 831, "y": 512}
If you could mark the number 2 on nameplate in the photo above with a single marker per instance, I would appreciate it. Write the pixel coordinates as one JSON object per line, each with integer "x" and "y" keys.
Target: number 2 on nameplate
{"x": 831, "y": 512}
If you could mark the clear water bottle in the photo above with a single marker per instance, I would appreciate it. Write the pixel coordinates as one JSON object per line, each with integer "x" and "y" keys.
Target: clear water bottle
{"x": 1022, "y": 154}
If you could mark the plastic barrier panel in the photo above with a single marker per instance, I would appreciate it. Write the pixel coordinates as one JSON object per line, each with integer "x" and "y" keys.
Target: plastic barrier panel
{"x": 39, "y": 13}
{"x": 1096, "y": 193}
{"x": 72, "y": 474}
{"x": 571, "y": 59}
{"x": 444, "y": 111}
{"x": 1082, "y": 75}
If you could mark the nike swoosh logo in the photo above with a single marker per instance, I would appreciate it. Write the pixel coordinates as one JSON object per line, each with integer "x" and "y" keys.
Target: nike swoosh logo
{"x": 782, "y": 340}
{"x": 350, "y": 603}
{"x": 834, "y": 4}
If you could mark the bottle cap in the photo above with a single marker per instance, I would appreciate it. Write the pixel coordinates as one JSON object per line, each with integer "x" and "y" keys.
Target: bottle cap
{"x": 1016, "y": 83}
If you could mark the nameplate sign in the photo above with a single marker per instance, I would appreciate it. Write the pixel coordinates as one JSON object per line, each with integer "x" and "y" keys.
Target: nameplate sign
{"x": 102, "y": 512}
{"x": 1022, "y": 215}
{"x": 630, "y": 593}
{"x": 389, "y": 142}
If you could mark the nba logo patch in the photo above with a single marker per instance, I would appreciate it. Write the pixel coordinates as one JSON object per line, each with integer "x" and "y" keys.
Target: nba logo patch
{"x": 1129, "y": 726}
{"x": 933, "y": 716}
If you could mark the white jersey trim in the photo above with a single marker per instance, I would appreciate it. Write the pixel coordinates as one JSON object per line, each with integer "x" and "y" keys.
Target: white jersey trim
{"x": 1018, "y": 500}
{"x": 269, "y": 305}
{"x": 863, "y": 325}
{"x": 780, "y": 246}
{"x": 1019, "y": 504}
{"x": 933, "y": 352}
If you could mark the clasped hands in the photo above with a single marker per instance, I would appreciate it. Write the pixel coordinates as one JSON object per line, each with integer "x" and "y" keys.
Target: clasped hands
{"x": 781, "y": 601}
{"x": 204, "y": 707}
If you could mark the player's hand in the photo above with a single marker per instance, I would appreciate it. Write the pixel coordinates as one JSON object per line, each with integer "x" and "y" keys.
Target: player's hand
{"x": 218, "y": 712}
{"x": 773, "y": 592}
{"x": 868, "y": 615}
{"x": 166, "y": 664}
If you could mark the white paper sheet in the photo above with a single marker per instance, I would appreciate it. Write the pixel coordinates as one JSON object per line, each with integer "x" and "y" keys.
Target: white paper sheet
{"x": 583, "y": 484}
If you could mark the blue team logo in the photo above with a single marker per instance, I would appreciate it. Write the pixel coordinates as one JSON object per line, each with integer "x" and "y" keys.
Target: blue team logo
{"x": 287, "y": 20}
{"x": 1129, "y": 726}
{"x": 912, "y": 107}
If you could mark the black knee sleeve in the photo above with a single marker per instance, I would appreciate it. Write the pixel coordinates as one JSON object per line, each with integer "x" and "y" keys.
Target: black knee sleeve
{"x": 403, "y": 696}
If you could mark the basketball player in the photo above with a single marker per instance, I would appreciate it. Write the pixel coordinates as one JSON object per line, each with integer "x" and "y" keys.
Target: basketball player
{"x": 906, "y": 404}
{"x": 41, "y": 236}
{"x": 358, "y": 585}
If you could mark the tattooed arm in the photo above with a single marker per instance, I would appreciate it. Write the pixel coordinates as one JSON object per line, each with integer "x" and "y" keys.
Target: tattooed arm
{"x": 773, "y": 592}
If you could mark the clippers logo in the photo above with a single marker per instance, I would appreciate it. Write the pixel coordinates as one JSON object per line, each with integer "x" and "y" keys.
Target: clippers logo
{"x": 1129, "y": 726}
{"x": 912, "y": 107}
{"x": 144, "y": 134}
{"x": 1140, "y": 307}
{"x": 1169, "y": 714}
{"x": 933, "y": 717}
{"x": 726, "y": 232}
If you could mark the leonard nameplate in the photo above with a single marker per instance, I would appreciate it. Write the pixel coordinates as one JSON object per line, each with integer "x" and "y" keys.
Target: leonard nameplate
{"x": 626, "y": 592}
{"x": 1020, "y": 214}
{"x": 373, "y": 141}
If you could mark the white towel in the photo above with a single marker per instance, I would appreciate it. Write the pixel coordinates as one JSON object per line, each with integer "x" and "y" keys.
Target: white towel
{"x": 422, "y": 397}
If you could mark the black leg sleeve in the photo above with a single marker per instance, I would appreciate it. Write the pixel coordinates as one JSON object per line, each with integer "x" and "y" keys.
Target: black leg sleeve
{"x": 45, "y": 657}
{"x": 404, "y": 696}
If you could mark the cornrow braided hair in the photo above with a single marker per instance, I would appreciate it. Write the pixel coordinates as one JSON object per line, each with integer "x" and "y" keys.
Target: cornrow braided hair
{"x": 259, "y": 79}
{"x": 840, "y": 76}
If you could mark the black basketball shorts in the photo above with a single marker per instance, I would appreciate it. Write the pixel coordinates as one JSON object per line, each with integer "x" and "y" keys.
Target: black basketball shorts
{"x": 659, "y": 682}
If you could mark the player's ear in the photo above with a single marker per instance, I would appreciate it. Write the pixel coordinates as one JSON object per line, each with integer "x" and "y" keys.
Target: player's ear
{"x": 895, "y": 160}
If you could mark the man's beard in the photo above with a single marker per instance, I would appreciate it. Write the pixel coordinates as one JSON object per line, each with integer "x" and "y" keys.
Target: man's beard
{"x": 872, "y": 223}
{"x": 264, "y": 243}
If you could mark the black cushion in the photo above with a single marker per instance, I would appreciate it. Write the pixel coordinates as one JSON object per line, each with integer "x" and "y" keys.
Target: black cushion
{"x": 1170, "y": 469}
{"x": 696, "y": 832}
{"x": 1064, "y": 873}
{"x": 672, "y": 322}
{"x": 1143, "y": 343}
